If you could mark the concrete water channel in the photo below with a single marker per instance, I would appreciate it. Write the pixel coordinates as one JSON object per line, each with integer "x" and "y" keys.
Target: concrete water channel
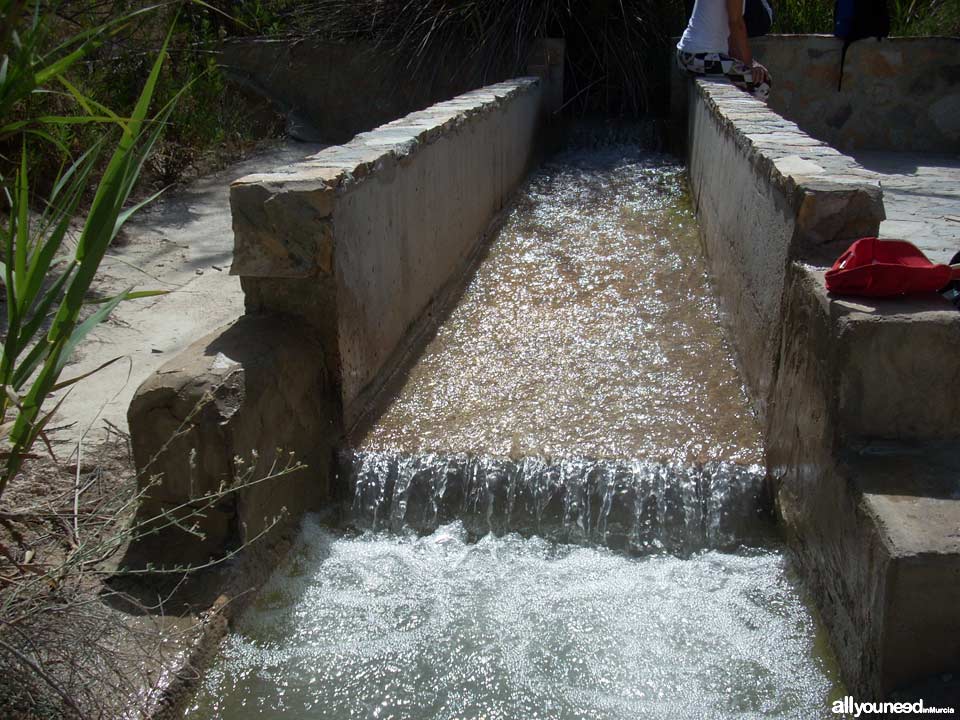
{"x": 559, "y": 510}
{"x": 545, "y": 428}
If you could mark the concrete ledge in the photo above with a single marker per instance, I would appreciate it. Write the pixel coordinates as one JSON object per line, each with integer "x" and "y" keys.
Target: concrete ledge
{"x": 359, "y": 240}
{"x": 912, "y": 496}
{"x": 876, "y": 534}
{"x": 212, "y": 417}
{"x": 895, "y": 365}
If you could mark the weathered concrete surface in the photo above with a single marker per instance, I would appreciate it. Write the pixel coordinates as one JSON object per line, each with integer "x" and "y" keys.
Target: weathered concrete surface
{"x": 859, "y": 398}
{"x": 212, "y": 418}
{"x": 359, "y": 241}
{"x": 898, "y": 93}
{"x": 894, "y": 365}
{"x": 875, "y": 524}
{"x": 921, "y": 194}
{"x": 331, "y": 91}
{"x": 766, "y": 194}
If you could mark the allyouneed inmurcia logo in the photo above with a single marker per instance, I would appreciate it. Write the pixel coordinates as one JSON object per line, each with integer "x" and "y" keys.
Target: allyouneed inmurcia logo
{"x": 849, "y": 707}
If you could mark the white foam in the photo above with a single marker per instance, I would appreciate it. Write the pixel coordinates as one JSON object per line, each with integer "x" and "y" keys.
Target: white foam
{"x": 436, "y": 627}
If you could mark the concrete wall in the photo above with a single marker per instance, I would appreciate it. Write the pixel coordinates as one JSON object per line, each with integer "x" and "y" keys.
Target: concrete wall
{"x": 766, "y": 194}
{"x": 897, "y": 94}
{"x": 343, "y": 258}
{"x": 360, "y": 241}
{"x": 869, "y": 507}
{"x": 856, "y": 396}
{"x": 332, "y": 91}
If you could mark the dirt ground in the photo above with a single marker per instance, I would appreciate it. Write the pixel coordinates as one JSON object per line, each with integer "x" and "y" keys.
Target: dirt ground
{"x": 182, "y": 244}
{"x": 60, "y": 532}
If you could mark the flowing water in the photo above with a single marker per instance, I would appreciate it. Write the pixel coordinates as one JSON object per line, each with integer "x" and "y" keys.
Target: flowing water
{"x": 588, "y": 330}
{"x": 559, "y": 514}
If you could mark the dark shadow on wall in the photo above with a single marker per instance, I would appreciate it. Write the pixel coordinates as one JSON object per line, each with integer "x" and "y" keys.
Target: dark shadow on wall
{"x": 331, "y": 91}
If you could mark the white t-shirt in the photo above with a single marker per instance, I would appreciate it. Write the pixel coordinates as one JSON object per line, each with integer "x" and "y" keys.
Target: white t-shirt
{"x": 708, "y": 30}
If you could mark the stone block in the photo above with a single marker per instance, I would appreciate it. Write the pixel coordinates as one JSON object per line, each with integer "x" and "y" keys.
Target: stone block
{"x": 228, "y": 411}
{"x": 893, "y": 362}
{"x": 833, "y": 212}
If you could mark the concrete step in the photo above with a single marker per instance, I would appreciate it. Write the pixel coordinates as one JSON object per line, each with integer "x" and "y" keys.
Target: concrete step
{"x": 893, "y": 362}
{"x": 911, "y": 509}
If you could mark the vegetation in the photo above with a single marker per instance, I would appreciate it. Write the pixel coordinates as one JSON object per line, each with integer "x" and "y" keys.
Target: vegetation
{"x": 907, "y": 17}
{"x": 62, "y": 642}
{"x": 44, "y": 301}
{"x": 207, "y": 127}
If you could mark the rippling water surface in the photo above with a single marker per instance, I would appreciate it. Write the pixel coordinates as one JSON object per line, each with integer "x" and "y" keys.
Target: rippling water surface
{"x": 421, "y": 628}
{"x": 590, "y": 329}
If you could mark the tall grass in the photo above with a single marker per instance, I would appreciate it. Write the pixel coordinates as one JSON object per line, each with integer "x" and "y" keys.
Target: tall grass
{"x": 207, "y": 127}
{"x": 803, "y": 16}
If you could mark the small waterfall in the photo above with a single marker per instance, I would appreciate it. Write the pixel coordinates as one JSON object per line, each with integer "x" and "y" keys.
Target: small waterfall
{"x": 636, "y": 506}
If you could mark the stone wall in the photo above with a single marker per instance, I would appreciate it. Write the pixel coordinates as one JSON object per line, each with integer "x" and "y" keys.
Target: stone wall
{"x": 897, "y": 94}
{"x": 360, "y": 241}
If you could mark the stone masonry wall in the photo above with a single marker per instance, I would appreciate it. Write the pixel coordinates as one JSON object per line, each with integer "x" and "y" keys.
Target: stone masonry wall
{"x": 897, "y": 94}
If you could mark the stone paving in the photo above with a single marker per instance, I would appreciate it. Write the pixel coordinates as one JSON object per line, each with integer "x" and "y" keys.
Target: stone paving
{"x": 921, "y": 195}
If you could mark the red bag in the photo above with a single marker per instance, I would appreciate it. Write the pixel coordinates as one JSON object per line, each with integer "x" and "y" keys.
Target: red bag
{"x": 886, "y": 268}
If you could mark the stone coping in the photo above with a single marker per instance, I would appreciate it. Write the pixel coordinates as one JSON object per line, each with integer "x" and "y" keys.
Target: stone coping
{"x": 834, "y": 199}
{"x": 340, "y": 167}
{"x": 792, "y": 159}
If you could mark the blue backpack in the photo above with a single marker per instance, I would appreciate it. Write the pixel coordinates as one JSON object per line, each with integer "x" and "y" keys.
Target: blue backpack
{"x": 758, "y": 16}
{"x": 857, "y": 19}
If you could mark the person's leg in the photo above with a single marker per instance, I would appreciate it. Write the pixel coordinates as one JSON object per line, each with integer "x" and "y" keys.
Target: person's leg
{"x": 722, "y": 64}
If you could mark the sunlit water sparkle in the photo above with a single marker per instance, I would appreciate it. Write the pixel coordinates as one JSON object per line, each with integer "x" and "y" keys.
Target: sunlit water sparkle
{"x": 590, "y": 329}
{"x": 420, "y": 628}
